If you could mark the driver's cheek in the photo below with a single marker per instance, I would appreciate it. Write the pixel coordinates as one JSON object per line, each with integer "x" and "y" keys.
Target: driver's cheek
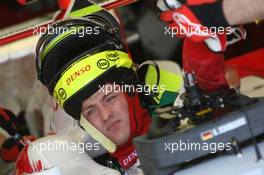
{"x": 96, "y": 121}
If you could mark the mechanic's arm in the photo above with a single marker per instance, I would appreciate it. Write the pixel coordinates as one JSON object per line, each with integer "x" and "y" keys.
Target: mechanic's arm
{"x": 243, "y": 11}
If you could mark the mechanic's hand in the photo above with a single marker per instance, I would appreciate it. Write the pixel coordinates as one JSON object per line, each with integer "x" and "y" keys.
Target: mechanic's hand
{"x": 164, "y": 5}
{"x": 184, "y": 23}
{"x": 7, "y": 119}
{"x": 182, "y": 20}
{"x": 10, "y": 150}
{"x": 217, "y": 43}
{"x": 63, "y": 4}
{"x": 24, "y": 2}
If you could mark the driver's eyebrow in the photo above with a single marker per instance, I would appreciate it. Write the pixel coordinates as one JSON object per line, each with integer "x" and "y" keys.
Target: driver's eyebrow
{"x": 86, "y": 107}
{"x": 106, "y": 95}
{"x": 101, "y": 98}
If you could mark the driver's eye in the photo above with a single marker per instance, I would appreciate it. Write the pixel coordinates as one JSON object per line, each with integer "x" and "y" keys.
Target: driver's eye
{"x": 89, "y": 111}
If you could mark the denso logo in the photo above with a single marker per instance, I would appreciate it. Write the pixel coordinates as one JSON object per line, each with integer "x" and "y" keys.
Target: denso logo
{"x": 131, "y": 157}
{"x": 77, "y": 73}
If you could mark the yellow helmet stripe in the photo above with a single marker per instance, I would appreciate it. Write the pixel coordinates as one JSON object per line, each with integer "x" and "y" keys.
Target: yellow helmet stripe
{"x": 65, "y": 32}
{"x": 85, "y": 70}
{"x": 85, "y": 11}
{"x": 52, "y": 44}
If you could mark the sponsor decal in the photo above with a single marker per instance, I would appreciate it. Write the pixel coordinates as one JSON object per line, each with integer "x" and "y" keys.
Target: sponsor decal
{"x": 112, "y": 55}
{"x": 103, "y": 64}
{"x": 62, "y": 93}
{"x": 131, "y": 157}
{"x": 222, "y": 129}
{"x": 77, "y": 74}
{"x": 207, "y": 135}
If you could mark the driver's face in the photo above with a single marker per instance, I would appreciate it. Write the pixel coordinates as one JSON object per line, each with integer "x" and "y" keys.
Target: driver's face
{"x": 108, "y": 112}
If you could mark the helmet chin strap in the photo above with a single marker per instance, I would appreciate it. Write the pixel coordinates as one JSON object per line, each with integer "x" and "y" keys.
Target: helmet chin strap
{"x": 97, "y": 135}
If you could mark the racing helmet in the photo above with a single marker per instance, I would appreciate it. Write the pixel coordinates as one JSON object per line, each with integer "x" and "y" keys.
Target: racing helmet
{"x": 77, "y": 57}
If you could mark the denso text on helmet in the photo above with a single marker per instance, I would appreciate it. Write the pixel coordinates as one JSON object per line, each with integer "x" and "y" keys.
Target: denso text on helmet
{"x": 77, "y": 73}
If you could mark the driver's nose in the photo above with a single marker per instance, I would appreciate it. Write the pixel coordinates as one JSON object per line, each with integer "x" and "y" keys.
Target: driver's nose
{"x": 105, "y": 112}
